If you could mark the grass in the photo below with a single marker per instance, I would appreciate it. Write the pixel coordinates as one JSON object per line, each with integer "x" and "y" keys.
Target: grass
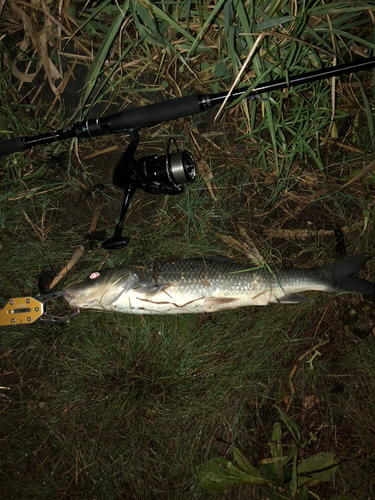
{"x": 111, "y": 406}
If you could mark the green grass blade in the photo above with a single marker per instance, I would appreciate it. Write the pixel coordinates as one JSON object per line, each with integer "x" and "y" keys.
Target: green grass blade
{"x": 100, "y": 58}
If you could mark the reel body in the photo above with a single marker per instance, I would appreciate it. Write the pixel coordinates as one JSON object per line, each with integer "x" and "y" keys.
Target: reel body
{"x": 157, "y": 174}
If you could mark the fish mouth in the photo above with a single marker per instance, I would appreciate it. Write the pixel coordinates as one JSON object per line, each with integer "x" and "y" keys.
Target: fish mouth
{"x": 77, "y": 302}
{"x": 73, "y": 299}
{"x": 83, "y": 302}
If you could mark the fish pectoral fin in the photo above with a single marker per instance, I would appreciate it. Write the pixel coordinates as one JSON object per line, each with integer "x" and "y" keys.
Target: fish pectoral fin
{"x": 292, "y": 298}
{"x": 220, "y": 300}
{"x": 153, "y": 289}
{"x": 218, "y": 303}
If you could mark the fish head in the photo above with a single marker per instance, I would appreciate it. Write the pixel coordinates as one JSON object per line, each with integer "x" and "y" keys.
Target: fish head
{"x": 101, "y": 289}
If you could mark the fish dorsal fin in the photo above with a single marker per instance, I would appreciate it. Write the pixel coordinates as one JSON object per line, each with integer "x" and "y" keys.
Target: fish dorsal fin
{"x": 218, "y": 259}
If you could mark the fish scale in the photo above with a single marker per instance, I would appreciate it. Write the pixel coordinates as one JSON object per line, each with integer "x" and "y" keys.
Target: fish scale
{"x": 206, "y": 285}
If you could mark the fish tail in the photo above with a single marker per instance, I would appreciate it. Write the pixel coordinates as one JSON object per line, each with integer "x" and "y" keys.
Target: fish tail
{"x": 341, "y": 276}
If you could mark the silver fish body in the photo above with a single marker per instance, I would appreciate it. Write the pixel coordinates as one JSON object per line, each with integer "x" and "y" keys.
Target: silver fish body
{"x": 208, "y": 285}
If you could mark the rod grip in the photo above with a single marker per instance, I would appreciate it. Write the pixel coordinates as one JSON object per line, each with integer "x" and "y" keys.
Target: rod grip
{"x": 12, "y": 146}
{"x": 147, "y": 116}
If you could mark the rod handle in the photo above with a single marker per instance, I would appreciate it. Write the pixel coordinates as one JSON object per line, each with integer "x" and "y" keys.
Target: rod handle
{"x": 147, "y": 116}
{"x": 12, "y": 146}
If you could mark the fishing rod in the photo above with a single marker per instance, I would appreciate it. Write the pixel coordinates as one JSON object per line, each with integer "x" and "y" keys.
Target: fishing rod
{"x": 167, "y": 173}
{"x": 171, "y": 109}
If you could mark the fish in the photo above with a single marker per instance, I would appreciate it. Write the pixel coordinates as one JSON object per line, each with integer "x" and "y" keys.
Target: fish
{"x": 205, "y": 285}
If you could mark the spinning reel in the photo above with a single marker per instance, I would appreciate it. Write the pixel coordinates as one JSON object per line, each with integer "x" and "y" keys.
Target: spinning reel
{"x": 159, "y": 174}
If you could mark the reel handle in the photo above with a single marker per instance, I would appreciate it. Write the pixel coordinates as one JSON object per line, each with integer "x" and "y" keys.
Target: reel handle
{"x": 117, "y": 242}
